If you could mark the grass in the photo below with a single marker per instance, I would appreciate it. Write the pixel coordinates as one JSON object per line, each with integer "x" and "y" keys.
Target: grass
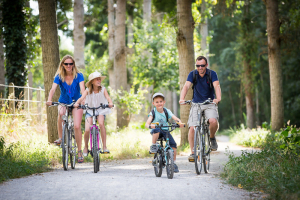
{"x": 274, "y": 170}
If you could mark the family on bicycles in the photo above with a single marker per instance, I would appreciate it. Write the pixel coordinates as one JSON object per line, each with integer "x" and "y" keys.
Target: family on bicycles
{"x": 71, "y": 82}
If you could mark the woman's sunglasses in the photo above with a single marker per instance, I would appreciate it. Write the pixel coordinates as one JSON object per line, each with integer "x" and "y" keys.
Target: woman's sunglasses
{"x": 68, "y": 64}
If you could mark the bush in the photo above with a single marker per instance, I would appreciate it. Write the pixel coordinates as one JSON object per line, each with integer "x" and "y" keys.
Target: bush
{"x": 274, "y": 170}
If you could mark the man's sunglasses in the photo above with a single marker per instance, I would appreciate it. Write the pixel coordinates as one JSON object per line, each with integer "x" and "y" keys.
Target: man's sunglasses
{"x": 200, "y": 65}
{"x": 68, "y": 64}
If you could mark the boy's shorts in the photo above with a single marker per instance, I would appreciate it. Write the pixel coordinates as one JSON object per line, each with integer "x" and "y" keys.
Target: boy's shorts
{"x": 210, "y": 111}
{"x": 87, "y": 115}
{"x": 163, "y": 134}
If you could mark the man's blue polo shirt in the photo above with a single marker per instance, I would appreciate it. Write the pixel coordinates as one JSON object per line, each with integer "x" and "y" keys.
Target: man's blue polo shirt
{"x": 69, "y": 92}
{"x": 202, "y": 90}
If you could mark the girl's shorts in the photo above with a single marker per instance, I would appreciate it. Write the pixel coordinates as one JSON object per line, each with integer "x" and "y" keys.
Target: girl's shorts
{"x": 87, "y": 115}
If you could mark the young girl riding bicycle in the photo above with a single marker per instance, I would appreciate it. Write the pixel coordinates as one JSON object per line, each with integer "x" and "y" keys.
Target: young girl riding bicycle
{"x": 95, "y": 94}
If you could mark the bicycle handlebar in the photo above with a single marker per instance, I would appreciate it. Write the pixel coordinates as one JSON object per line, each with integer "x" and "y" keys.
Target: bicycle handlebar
{"x": 85, "y": 107}
{"x": 62, "y": 104}
{"x": 208, "y": 101}
{"x": 173, "y": 125}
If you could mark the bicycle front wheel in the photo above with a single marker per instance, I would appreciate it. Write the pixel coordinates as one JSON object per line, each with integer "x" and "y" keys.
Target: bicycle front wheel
{"x": 65, "y": 146}
{"x": 158, "y": 164}
{"x": 170, "y": 164}
{"x": 95, "y": 150}
{"x": 198, "y": 151}
{"x": 72, "y": 149}
{"x": 206, "y": 147}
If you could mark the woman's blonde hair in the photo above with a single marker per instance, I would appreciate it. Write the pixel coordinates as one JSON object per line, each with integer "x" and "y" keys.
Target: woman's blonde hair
{"x": 61, "y": 72}
{"x": 90, "y": 87}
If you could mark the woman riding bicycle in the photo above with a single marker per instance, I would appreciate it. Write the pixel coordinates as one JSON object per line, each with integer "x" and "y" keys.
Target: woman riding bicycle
{"x": 95, "y": 94}
{"x": 71, "y": 82}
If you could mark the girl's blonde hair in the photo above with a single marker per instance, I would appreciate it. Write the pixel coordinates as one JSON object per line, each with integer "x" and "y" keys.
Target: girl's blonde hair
{"x": 61, "y": 72}
{"x": 90, "y": 87}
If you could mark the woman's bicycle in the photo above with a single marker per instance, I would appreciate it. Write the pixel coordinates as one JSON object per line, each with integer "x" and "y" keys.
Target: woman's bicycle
{"x": 68, "y": 142}
{"x": 202, "y": 144}
{"x": 95, "y": 139}
{"x": 165, "y": 154}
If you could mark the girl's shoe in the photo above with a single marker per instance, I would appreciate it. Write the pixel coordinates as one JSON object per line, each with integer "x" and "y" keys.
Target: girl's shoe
{"x": 85, "y": 154}
{"x": 106, "y": 151}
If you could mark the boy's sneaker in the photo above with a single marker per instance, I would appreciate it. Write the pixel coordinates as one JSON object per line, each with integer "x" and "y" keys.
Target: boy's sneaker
{"x": 153, "y": 148}
{"x": 214, "y": 145}
{"x": 192, "y": 158}
{"x": 176, "y": 170}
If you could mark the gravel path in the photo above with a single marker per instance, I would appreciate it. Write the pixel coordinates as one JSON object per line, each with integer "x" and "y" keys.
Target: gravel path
{"x": 129, "y": 179}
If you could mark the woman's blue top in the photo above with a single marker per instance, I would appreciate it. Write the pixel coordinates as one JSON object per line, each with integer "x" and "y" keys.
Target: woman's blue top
{"x": 69, "y": 92}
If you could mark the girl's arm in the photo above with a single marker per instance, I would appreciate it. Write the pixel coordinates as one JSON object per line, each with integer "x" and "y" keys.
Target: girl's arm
{"x": 110, "y": 103}
{"x": 81, "y": 98}
{"x": 51, "y": 93}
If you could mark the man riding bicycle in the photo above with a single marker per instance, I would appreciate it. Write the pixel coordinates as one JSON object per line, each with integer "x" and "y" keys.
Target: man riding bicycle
{"x": 205, "y": 84}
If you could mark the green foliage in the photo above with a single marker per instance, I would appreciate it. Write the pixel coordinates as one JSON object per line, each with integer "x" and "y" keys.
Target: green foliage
{"x": 161, "y": 69}
{"x": 270, "y": 170}
{"x": 291, "y": 137}
{"x": 25, "y": 158}
{"x": 14, "y": 31}
{"x": 131, "y": 101}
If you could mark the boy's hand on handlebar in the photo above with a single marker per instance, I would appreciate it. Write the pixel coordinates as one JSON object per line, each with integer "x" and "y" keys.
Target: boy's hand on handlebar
{"x": 152, "y": 126}
{"x": 49, "y": 103}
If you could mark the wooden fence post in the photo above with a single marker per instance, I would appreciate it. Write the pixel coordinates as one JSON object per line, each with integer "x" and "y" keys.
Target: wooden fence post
{"x": 27, "y": 98}
{"x": 39, "y": 107}
{"x": 11, "y": 95}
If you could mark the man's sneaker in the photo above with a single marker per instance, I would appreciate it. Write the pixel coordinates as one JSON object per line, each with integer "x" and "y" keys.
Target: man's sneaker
{"x": 192, "y": 158}
{"x": 214, "y": 145}
{"x": 176, "y": 170}
{"x": 153, "y": 148}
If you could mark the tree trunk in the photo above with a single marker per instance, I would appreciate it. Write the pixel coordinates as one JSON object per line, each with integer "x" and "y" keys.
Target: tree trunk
{"x": 120, "y": 70}
{"x": 277, "y": 109}
{"x": 111, "y": 38}
{"x": 147, "y": 10}
{"x": 185, "y": 45}
{"x": 78, "y": 33}
{"x": 204, "y": 32}
{"x": 248, "y": 83}
{"x": 2, "y": 69}
{"x": 232, "y": 106}
{"x": 50, "y": 54}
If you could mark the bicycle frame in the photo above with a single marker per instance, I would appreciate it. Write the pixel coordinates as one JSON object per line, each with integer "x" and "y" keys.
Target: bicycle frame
{"x": 96, "y": 127}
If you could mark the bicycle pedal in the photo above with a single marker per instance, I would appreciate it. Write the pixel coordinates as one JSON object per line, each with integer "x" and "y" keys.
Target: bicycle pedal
{"x": 191, "y": 160}
{"x": 151, "y": 152}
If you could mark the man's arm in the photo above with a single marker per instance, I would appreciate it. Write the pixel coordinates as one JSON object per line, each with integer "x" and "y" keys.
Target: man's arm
{"x": 218, "y": 91}
{"x": 184, "y": 90}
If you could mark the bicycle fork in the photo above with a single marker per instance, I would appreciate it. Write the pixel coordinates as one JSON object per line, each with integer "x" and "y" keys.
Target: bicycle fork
{"x": 91, "y": 137}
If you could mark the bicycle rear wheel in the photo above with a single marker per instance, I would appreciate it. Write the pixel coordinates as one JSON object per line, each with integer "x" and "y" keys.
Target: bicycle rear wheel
{"x": 65, "y": 146}
{"x": 95, "y": 150}
{"x": 72, "y": 149}
{"x": 198, "y": 151}
{"x": 170, "y": 164}
{"x": 158, "y": 165}
{"x": 206, "y": 147}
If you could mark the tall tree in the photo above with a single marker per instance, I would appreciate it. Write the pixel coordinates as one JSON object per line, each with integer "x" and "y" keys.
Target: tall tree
{"x": 78, "y": 33}
{"x": 204, "y": 31}
{"x": 247, "y": 72}
{"x": 2, "y": 68}
{"x": 120, "y": 70}
{"x": 50, "y": 54}
{"x": 111, "y": 43}
{"x": 14, "y": 31}
{"x": 273, "y": 25}
{"x": 185, "y": 45}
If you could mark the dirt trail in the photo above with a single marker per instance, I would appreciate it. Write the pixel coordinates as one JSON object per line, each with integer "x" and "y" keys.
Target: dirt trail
{"x": 129, "y": 179}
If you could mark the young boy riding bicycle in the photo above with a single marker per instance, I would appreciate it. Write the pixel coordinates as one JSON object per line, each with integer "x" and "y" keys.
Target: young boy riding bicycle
{"x": 162, "y": 116}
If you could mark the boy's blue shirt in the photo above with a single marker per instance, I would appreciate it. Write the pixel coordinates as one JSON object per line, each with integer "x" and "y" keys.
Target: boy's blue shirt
{"x": 161, "y": 117}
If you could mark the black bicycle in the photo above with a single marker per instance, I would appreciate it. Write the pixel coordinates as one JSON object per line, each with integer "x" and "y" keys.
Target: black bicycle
{"x": 68, "y": 142}
{"x": 202, "y": 144}
{"x": 95, "y": 139}
{"x": 165, "y": 154}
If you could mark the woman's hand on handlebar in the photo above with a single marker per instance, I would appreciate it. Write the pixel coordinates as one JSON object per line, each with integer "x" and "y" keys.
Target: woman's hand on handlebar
{"x": 76, "y": 105}
{"x": 49, "y": 103}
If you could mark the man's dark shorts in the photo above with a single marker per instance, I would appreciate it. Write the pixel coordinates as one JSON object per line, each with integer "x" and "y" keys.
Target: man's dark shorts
{"x": 163, "y": 134}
